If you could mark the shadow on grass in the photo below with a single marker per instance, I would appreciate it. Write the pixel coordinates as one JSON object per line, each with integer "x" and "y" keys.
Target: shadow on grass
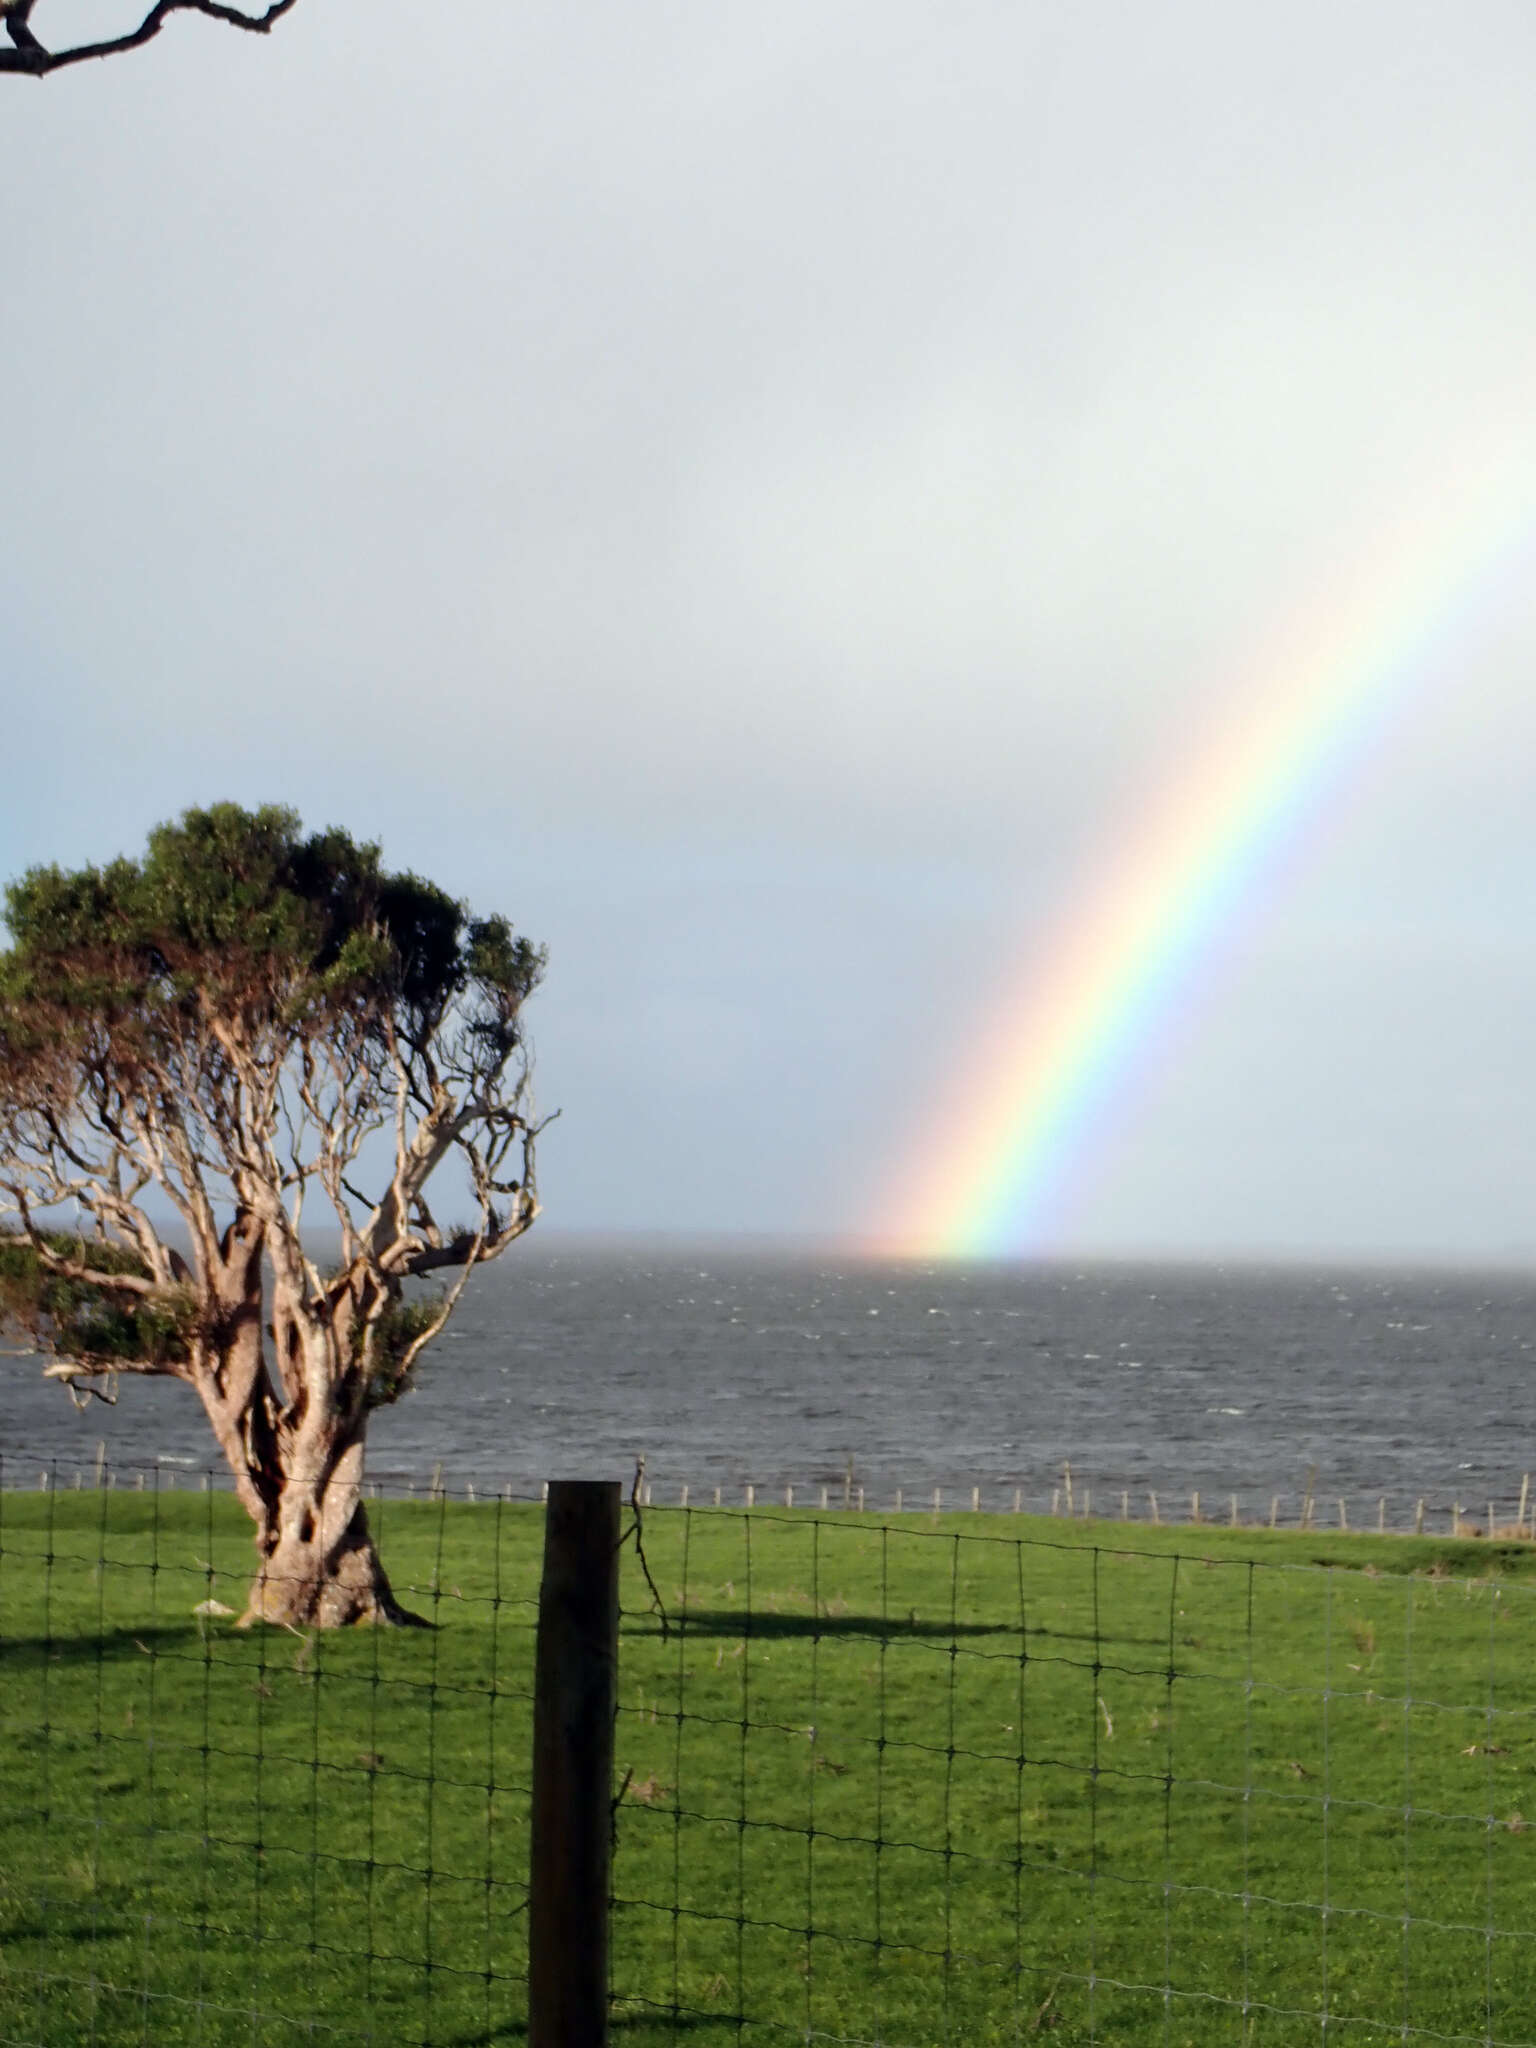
{"x": 710, "y": 1621}
{"x": 759, "y": 1627}
{"x": 183, "y": 1642}
{"x": 619, "y": 2023}
{"x": 182, "y": 1639}
{"x": 55, "y": 1929}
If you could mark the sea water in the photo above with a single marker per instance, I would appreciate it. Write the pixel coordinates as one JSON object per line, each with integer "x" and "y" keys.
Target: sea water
{"x": 724, "y": 1369}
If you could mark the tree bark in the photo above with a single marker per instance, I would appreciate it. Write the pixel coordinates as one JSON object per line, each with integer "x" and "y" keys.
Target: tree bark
{"x": 307, "y": 1585}
{"x": 319, "y": 1565}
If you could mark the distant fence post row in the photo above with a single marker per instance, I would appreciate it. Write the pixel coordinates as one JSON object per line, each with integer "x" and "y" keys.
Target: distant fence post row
{"x": 1477, "y": 1520}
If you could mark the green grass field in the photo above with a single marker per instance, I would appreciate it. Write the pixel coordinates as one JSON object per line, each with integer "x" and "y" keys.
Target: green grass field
{"x": 972, "y": 1780}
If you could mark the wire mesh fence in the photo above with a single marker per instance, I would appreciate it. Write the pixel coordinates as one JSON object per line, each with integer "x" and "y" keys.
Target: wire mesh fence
{"x": 926, "y": 1782}
{"x": 214, "y": 1835}
{"x": 879, "y": 1779}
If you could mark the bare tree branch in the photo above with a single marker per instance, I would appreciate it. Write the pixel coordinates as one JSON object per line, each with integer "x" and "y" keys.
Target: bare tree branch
{"x": 31, "y": 57}
{"x": 77, "y": 1371}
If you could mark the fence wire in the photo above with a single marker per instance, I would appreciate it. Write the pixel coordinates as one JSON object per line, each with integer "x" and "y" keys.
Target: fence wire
{"x": 211, "y": 1835}
{"x": 904, "y": 1780}
{"x": 916, "y": 1782}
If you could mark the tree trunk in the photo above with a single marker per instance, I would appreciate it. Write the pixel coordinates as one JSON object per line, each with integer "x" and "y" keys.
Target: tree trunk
{"x": 320, "y": 1568}
{"x": 306, "y": 1583}
{"x": 296, "y": 1453}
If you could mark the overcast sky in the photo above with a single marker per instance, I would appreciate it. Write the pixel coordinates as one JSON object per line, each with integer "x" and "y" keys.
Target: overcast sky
{"x": 763, "y": 495}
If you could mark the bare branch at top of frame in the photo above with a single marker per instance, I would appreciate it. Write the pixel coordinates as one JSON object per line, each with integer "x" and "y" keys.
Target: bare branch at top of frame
{"x": 33, "y": 59}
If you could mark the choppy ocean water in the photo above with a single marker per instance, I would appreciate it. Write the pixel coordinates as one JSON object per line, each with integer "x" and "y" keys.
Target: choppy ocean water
{"x": 726, "y": 1368}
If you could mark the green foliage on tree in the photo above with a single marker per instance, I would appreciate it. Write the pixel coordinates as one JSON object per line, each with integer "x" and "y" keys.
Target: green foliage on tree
{"x": 82, "y": 1318}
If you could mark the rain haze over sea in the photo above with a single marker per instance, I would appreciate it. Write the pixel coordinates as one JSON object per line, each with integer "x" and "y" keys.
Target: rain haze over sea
{"x": 729, "y": 1367}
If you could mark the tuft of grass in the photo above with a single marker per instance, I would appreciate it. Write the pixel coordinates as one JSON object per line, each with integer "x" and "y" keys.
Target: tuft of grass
{"x": 934, "y": 1780}
{"x": 1363, "y": 1635}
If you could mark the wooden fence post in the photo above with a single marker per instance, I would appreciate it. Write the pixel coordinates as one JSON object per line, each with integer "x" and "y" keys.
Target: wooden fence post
{"x": 575, "y": 1690}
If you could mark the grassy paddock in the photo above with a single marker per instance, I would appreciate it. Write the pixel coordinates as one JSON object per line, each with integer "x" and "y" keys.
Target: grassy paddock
{"x": 911, "y": 1780}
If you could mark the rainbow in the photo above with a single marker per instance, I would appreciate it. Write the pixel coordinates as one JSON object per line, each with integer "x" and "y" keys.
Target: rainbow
{"x": 1054, "y": 1060}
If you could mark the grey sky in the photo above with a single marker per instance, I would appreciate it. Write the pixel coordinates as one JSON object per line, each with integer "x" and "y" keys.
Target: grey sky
{"x": 761, "y": 495}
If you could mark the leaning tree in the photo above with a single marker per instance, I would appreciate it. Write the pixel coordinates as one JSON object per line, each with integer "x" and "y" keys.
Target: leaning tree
{"x": 202, "y": 1053}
